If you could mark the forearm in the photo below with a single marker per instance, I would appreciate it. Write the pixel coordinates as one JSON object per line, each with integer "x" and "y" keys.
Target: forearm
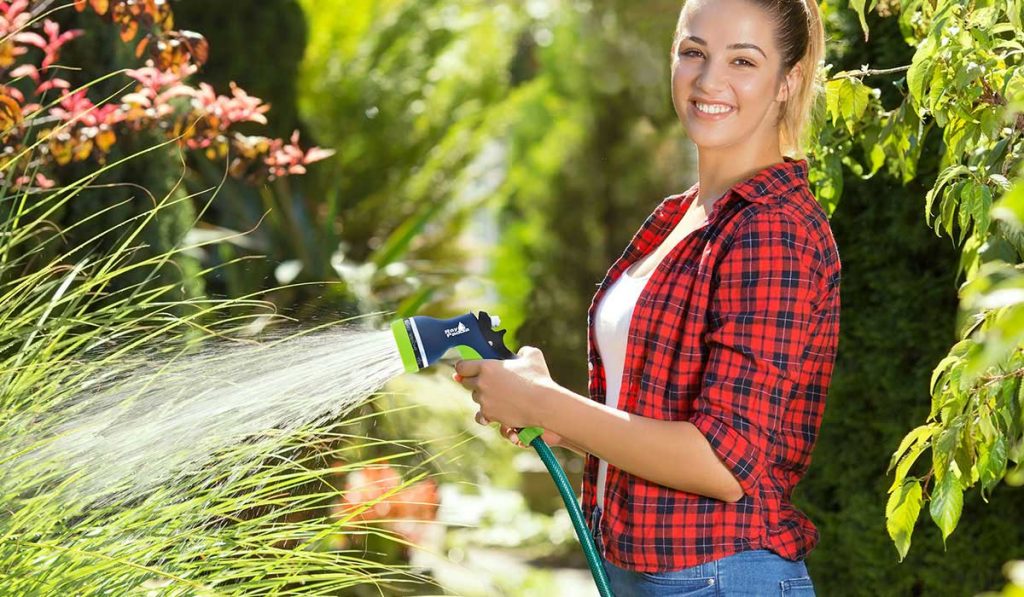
{"x": 568, "y": 445}
{"x": 671, "y": 453}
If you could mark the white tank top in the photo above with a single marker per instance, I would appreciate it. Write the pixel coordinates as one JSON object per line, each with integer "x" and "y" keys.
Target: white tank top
{"x": 611, "y": 331}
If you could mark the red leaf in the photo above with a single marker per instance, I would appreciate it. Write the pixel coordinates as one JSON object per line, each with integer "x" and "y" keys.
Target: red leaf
{"x": 129, "y": 29}
{"x": 10, "y": 112}
{"x": 141, "y": 47}
{"x": 198, "y": 47}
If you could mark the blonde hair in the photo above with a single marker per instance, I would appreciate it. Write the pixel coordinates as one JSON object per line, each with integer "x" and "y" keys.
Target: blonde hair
{"x": 800, "y": 36}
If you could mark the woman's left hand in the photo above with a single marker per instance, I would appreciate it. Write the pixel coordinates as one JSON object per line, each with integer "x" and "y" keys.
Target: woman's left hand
{"x": 507, "y": 391}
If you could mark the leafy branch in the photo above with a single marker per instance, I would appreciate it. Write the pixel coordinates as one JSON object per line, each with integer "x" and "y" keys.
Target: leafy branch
{"x": 965, "y": 81}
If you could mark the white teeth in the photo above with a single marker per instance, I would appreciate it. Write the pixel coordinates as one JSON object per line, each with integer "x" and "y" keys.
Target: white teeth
{"x": 712, "y": 108}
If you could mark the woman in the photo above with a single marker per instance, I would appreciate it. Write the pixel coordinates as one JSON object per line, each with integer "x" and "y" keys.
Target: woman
{"x": 712, "y": 338}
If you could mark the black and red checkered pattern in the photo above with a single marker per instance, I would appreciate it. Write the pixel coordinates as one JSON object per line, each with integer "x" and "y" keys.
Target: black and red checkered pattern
{"x": 735, "y": 332}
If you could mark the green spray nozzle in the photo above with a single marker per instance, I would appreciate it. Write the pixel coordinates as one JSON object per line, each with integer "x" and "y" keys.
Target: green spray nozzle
{"x": 422, "y": 341}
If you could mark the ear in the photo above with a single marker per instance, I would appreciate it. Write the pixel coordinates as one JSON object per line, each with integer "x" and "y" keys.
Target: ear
{"x": 790, "y": 83}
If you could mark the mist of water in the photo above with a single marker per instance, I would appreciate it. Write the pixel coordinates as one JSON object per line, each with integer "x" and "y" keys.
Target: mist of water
{"x": 162, "y": 421}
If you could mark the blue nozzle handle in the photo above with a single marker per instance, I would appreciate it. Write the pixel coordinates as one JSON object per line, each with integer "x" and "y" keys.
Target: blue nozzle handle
{"x": 471, "y": 335}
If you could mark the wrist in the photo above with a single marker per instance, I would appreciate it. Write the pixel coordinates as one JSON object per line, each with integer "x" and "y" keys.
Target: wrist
{"x": 549, "y": 402}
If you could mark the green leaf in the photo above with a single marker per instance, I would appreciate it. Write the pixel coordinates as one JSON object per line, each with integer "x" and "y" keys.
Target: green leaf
{"x": 901, "y": 512}
{"x": 945, "y": 364}
{"x": 947, "y": 504}
{"x": 854, "y": 97}
{"x": 947, "y": 176}
{"x": 964, "y": 456}
{"x": 908, "y": 461}
{"x": 950, "y": 200}
{"x": 920, "y": 71}
{"x": 968, "y": 197}
{"x": 1010, "y": 208}
{"x": 969, "y": 257}
{"x": 944, "y": 448}
{"x": 992, "y": 462}
{"x": 858, "y": 7}
{"x": 876, "y": 157}
{"x": 921, "y": 433}
{"x": 832, "y": 100}
{"x": 998, "y": 179}
{"x": 982, "y": 213}
{"x": 399, "y": 241}
{"x": 1008, "y": 410}
{"x": 983, "y": 19}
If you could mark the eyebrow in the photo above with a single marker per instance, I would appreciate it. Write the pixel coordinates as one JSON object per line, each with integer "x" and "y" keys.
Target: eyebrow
{"x": 700, "y": 41}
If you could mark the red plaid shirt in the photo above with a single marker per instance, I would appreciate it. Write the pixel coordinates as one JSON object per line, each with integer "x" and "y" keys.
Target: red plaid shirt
{"x": 736, "y": 332}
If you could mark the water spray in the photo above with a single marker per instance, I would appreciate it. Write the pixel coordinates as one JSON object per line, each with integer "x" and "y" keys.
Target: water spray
{"x": 423, "y": 341}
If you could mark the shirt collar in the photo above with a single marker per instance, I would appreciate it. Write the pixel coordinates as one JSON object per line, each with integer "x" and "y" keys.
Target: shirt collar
{"x": 768, "y": 186}
{"x": 772, "y": 183}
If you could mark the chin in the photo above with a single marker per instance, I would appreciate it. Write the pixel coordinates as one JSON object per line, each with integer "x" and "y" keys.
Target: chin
{"x": 703, "y": 140}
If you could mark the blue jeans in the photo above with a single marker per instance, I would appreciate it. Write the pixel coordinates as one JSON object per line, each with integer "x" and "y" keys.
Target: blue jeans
{"x": 758, "y": 572}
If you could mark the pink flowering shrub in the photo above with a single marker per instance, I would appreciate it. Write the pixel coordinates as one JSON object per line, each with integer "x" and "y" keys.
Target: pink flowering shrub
{"x": 56, "y": 130}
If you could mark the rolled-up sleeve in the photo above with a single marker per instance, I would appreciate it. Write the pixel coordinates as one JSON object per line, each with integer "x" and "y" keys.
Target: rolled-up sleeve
{"x": 760, "y": 321}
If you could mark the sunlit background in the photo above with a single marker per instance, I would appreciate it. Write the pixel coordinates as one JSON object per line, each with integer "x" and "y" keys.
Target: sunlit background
{"x": 498, "y": 156}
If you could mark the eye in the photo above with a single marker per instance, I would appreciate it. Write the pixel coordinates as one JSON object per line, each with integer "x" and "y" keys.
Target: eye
{"x": 691, "y": 53}
{"x": 744, "y": 62}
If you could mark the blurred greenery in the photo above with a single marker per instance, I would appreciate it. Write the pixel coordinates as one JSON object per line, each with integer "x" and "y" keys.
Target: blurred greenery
{"x": 498, "y": 156}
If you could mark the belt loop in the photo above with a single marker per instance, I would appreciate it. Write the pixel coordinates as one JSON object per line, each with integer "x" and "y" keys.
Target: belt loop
{"x": 595, "y": 529}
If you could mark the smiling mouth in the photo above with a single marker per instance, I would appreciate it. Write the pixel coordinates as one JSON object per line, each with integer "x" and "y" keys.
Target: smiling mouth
{"x": 711, "y": 109}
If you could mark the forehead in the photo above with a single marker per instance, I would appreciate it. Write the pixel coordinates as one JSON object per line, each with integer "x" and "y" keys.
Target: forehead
{"x": 725, "y": 22}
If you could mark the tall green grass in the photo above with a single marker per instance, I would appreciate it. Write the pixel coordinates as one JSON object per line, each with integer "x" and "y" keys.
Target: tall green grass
{"x": 265, "y": 526}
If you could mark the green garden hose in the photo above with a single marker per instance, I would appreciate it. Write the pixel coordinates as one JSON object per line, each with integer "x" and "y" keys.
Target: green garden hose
{"x": 531, "y": 436}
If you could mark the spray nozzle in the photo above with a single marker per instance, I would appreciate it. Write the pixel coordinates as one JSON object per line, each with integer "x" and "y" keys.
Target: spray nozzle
{"x": 422, "y": 341}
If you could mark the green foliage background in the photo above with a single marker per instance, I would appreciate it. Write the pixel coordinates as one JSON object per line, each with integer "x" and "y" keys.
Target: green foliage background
{"x": 572, "y": 99}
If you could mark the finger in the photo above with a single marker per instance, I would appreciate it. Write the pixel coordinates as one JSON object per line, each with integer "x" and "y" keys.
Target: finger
{"x": 476, "y": 396}
{"x": 525, "y": 350}
{"x": 469, "y": 368}
{"x": 513, "y": 436}
{"x": 481, "y": 419}
{"x": 470, "y": 383}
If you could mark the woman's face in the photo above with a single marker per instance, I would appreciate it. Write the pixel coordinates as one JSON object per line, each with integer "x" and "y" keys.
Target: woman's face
{"x": 726, "y": 77}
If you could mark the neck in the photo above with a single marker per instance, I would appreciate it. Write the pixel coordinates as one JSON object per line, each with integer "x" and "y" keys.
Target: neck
{"x": 719, "y": 170}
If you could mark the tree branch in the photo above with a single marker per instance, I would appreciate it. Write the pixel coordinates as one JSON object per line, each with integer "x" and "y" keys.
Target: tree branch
{"x": 867, "y": 72}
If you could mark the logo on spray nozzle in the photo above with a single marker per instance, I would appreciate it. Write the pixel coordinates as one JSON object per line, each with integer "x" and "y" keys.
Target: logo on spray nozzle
{"x": 456, "y": 331}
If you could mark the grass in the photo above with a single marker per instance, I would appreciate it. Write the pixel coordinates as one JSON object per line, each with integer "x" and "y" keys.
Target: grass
{"x": 259, "y": 524}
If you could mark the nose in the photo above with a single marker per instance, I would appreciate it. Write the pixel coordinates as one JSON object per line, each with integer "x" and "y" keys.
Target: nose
{"x": 710, "y": 78}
